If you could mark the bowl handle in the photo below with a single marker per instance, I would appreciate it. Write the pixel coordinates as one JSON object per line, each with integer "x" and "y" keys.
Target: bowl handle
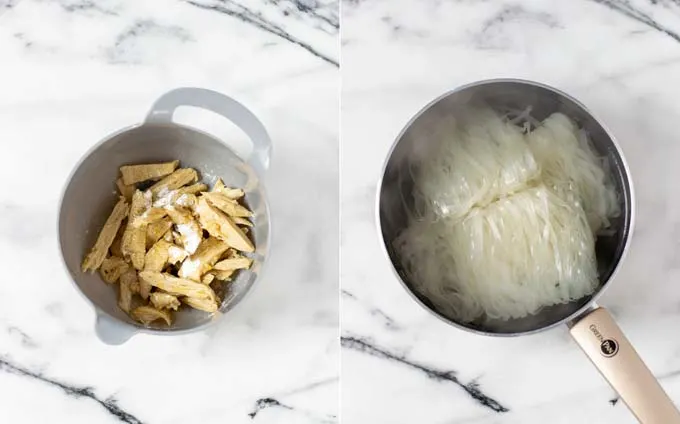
{"x": 618, "y": 362}
{"x": 112, "y": 332}
{"x": 164, "y": 108}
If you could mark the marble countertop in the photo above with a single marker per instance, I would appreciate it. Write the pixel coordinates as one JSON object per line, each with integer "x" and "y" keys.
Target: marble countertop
{"x": 622, "y": 59}
{"x": 73, "y": 71}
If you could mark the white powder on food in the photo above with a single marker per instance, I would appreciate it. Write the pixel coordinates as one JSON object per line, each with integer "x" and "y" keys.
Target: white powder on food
{"x": 191, "y": 237}
{"x": 183, "y": 200}
{"x": 147, "y": 199}
{"x": 176, "y": 254}
{"x": 165, "y": 198}
{"x": 189, "y": 267}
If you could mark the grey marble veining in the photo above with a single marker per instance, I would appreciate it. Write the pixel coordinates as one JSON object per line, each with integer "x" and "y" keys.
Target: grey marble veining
{"x": 622, "y": 59}
{"x": 304, "y": 14}
{"x": 72, "y": 72}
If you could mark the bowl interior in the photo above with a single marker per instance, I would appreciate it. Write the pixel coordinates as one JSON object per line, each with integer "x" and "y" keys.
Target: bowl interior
{"x": 500, "y": 95}
{"x": 91, "y": 194}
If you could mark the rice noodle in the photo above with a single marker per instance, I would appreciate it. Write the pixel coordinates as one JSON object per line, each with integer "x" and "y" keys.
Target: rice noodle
{"x": 570, "y": 167}
{"x": 505, "y": 223}
{"x": 476, "y": 159}
{"x": 507, "y": 260}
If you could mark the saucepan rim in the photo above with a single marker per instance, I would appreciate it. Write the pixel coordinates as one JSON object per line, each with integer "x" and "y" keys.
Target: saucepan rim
{"x": 583, "y": 310}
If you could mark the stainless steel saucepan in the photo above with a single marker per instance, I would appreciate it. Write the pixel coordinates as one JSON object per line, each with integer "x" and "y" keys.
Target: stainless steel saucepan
{"x": 591, "y": 326}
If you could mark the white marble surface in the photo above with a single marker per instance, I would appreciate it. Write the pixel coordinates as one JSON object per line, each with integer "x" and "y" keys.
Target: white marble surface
{"x": 71, "y": 72}
{"x": 622, "y": 59}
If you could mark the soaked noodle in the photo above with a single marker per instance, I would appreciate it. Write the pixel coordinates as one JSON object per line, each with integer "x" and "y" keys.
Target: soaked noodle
{"x": 505, "y": 220}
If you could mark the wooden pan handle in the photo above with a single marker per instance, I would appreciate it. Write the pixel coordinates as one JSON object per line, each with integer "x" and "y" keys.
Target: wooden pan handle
{"x": 616, "y": 359}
